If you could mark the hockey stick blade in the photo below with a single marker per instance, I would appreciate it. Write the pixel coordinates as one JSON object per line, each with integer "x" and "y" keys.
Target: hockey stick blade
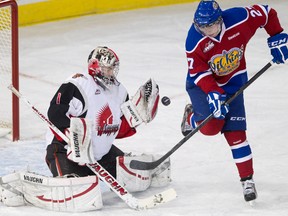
{"x": 157, "y": 199}
{"x": 141, "y": 165}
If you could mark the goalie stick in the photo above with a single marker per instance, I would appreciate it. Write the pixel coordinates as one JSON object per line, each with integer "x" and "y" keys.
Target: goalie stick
{"x": 141, "y": 165}
{"x": 105, "y": 176}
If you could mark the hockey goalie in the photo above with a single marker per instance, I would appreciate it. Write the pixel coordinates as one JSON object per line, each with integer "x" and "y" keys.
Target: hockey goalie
{"x": 93, "y": 110}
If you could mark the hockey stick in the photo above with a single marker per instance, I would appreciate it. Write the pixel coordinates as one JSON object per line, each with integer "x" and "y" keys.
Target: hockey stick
{"x": 141, "y": 165}
{"x": 105, "y": 176}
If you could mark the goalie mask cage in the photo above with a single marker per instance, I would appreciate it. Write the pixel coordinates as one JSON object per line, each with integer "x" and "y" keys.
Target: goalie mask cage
{"x": 9, "y": 67}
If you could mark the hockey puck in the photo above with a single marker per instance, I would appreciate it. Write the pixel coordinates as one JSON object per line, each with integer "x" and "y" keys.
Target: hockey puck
{"x": 165, "y": 101}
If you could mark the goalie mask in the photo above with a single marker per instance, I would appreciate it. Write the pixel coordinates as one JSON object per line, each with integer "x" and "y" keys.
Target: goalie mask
{"x": 103, "y": 66}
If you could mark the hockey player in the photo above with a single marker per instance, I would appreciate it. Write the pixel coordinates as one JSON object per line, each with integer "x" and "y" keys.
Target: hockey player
{"x": 99, "y": 97}
{"x": 215, "y": 50}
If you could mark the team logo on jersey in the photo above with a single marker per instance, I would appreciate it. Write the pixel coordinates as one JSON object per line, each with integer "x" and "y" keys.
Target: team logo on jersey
{"x": 226, "y": 62}
{"x": 104, "y": 122}
{"x": 208, "y": 46}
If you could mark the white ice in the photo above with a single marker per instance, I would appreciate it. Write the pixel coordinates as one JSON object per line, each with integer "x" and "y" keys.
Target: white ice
{"x": 150, "y": 43}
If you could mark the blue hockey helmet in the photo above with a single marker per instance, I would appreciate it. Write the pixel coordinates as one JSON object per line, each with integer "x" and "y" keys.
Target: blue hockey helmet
{"x": 207, "y": 13}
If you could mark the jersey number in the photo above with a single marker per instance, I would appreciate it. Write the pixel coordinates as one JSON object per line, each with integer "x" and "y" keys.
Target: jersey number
{"x": 254, "y": 12}
{"x": 190, "y": 63}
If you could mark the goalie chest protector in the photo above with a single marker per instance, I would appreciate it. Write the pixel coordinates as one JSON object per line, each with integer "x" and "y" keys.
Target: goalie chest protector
{"x": 103, "y": 108}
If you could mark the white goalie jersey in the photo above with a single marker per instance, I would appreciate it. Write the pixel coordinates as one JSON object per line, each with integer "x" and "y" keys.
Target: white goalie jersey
{"x": 80, "y": 97}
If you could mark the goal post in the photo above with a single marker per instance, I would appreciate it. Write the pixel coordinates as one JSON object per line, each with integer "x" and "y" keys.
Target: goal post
{"x": 9, "y": 69}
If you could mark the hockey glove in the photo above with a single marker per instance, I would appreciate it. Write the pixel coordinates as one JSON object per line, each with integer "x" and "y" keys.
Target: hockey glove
{"x": 217, "y": 104}
{"x": 278, "y": 47}
{"x": 143, "y": 106}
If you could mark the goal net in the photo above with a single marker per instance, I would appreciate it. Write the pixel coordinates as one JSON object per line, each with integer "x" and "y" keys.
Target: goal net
{"x": 9, "y": 103}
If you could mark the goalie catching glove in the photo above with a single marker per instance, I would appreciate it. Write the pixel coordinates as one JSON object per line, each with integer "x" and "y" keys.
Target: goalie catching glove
{"x": 143, "y": 106}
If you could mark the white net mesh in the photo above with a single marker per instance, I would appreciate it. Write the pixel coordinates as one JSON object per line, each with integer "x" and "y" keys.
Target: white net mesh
{"x": 5, "y": 69}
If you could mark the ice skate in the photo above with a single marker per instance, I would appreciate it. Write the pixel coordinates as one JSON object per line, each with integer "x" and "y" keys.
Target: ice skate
{"x": 186, "y": 127}
{"x": 249, "y": 190}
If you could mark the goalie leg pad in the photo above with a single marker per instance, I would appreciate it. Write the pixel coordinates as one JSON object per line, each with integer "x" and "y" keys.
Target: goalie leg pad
{"x": 61, "y": 194}
{"x": 10, "y": 198}
{"x": 133, "y": 180}
{"x": 139, "y": 180}
{"x": 10, "y": 187}
{"x": 161, "y": 175}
